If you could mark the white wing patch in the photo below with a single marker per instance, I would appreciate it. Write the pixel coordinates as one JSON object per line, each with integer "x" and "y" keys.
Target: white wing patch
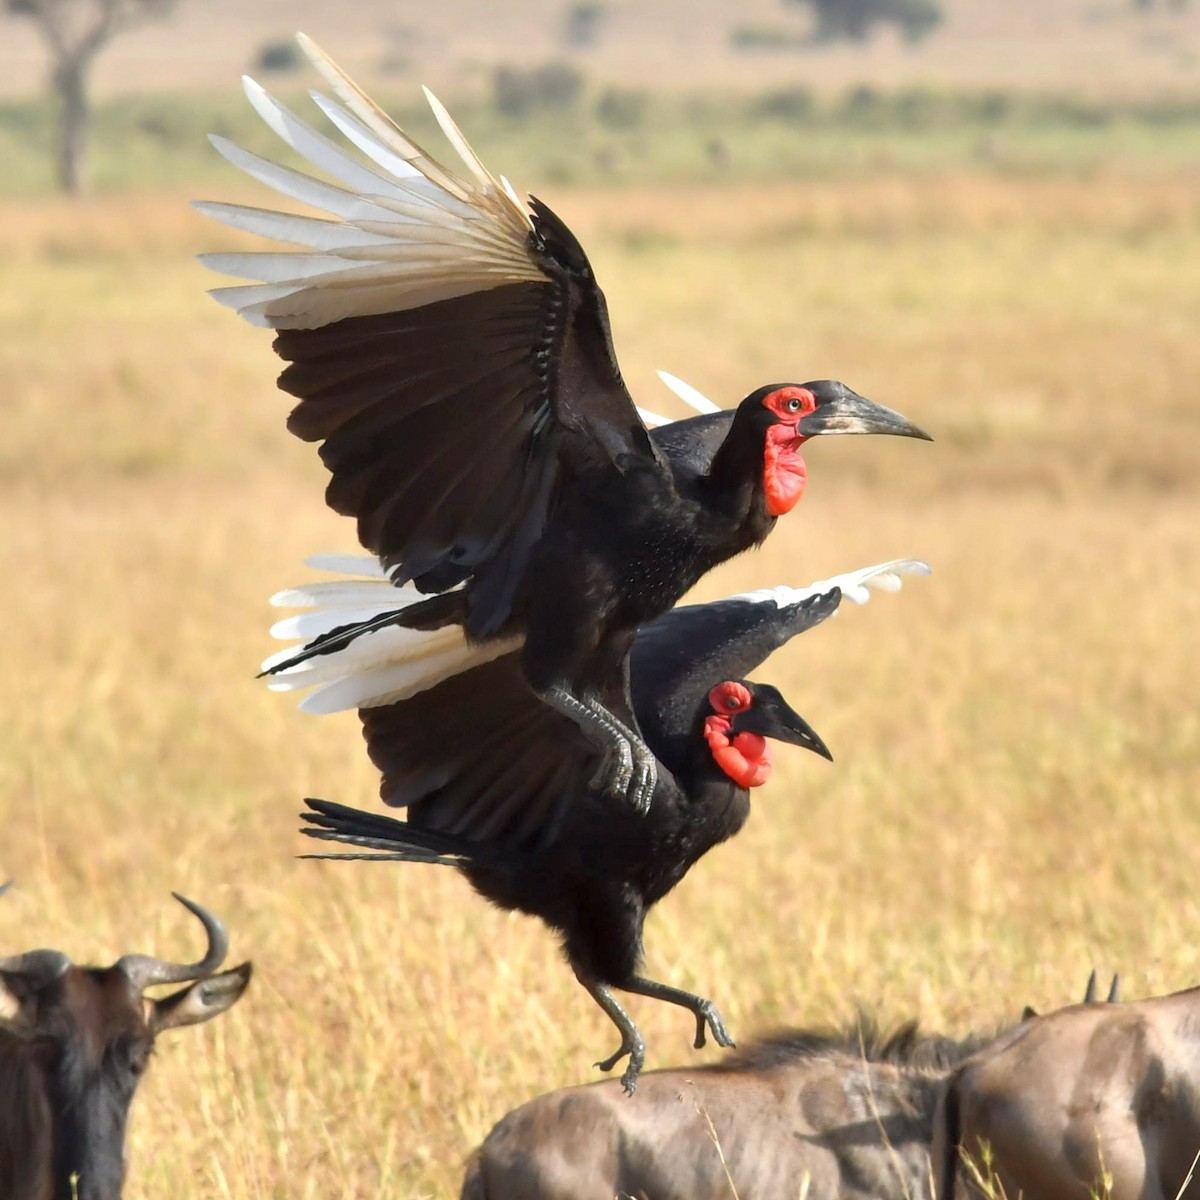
{"x": 688, "y": 394}
{"x": 405, "y": 232}
{"x": 652, "y": 419}
{"x": 377, "y": 668}
{"x": 856, "y": 585}
{"x": 392, "y": 664}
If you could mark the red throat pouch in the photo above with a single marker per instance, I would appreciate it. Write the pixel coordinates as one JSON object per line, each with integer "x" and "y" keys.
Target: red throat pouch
{"x": 785, "y": 473}
{"x": 745, "y": 758}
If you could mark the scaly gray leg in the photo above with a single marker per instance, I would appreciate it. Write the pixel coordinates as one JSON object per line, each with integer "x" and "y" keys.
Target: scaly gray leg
{"x": 627, "y": 770}
{"x": 645, "y": 766}
{"x": 705, "y": 1010}
{"x": 632, "y": 1042}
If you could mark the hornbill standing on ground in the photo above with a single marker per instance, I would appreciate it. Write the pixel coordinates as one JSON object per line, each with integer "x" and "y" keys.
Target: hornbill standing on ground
{"x": 496, "y": 783}
{"x": 451, "y": 349}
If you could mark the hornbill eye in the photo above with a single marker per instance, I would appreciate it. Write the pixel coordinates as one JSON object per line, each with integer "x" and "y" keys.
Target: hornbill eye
{"x": 793, "y": 405}
{"x": 730, "y": 697}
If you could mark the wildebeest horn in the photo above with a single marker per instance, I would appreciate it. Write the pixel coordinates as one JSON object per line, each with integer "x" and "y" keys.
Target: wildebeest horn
{"x": 143, "y": 970}
{"x": 39, "y": 967}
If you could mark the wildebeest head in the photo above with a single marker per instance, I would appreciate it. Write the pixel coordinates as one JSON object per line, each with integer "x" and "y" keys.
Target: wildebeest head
{"x": 74, "y": 1042}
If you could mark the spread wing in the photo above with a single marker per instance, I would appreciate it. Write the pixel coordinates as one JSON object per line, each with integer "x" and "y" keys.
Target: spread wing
{"x": 677, "y": 658}
{"x": 449, "y": 346}
{"x": 479, "y": 757}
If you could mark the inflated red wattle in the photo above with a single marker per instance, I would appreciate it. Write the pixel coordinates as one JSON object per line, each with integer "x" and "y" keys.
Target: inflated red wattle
{"x": 746, "y": 759}
{"x": 785, "y": 473}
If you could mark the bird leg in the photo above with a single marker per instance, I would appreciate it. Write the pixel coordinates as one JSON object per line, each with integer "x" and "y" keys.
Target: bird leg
{"x": 704, "y": 1010}
{"x": 632, "y": 1042}
{"x": 640, "y": 790}
{"x": 628, "y": 768}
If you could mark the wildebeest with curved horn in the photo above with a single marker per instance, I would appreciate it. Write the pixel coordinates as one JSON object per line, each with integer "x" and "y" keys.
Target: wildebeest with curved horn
{"x": 74, "y": 1042}
{"x": 1089, "y": 1100}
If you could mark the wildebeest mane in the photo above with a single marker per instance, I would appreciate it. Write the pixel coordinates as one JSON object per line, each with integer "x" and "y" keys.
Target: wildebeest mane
{"x": 861, "y": 1037}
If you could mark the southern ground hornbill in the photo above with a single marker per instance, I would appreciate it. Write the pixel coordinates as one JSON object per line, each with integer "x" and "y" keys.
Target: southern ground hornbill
{"x": 450, "y": 348}
{"x": 496, "y": 783}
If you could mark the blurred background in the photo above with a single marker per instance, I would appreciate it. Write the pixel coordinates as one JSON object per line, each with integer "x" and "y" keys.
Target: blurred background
{"x": 986, "y": 216}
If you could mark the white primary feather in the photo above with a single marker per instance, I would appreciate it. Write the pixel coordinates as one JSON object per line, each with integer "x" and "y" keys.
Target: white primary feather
{"x": 347, "y": 564}
{"x": 316, "y": 147}
{"x": 407, "y": 231}
{"x": 377, "y": 121}
{"x": 652, "y": 419}
{"x": 381, "y": 667}
{"x": 314, "y": 232}
{"x": 688, "y": 394}
{"x": 364, "y": 139}
{"x": 856, "y": 585}
{"x": 393, "y": 664}
{"x": 389, "y": 683}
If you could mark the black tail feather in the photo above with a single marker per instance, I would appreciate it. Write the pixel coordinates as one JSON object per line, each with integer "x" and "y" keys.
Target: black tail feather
{"x": 388, "y": 837}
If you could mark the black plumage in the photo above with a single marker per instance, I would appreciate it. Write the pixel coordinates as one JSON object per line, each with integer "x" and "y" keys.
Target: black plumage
{"x": 497, "y": 784}
{"x": 450, "y": 348}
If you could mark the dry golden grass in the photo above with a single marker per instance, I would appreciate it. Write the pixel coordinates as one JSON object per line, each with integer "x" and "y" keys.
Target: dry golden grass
{"x": 1017, "y": 738}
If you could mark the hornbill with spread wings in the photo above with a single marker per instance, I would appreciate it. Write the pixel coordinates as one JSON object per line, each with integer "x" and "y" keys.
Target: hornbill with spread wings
{"x": 496, "y": 783}
{"x": 450, "y": 349}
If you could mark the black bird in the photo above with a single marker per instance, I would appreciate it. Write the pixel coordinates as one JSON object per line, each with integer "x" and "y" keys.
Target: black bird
{"x": 496, "y": 783}
{"x": 451, "y": 349}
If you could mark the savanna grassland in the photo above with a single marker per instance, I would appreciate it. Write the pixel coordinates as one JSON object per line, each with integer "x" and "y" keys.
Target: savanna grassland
{"x": 1016, "y": 791}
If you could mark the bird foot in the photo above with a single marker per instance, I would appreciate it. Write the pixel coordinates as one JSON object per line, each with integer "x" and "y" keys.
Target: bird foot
{"x": 709, "y": 1018}
{"x": 615, "y": 775}
{"x": 635, "y": 1047}
{"x": 628, "y": 772}
{"x": 645, "y": 776}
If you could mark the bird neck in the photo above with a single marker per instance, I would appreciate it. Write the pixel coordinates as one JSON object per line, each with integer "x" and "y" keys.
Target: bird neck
{"x": 756, "y": 477}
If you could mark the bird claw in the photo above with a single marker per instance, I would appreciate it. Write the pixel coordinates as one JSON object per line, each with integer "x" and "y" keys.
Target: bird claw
{"x": 637, "y": 1057}
{"x": 627, "y": 774}
{"x": 614, "y": 776}
{"x": 645, "y": 776}
{"x": 708, "y": 1016}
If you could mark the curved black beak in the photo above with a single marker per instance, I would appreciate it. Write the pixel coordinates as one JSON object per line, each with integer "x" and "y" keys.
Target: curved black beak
{"x": 840, "y": 410}
{"x": 771, "y": 716}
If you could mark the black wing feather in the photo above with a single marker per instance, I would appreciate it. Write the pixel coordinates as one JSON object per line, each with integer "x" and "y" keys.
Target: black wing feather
{"x": 679, "y": 657}
{"x": 448, "y": 427}
{"x": 690, "y": 444}
{"x": 480, "y": 757}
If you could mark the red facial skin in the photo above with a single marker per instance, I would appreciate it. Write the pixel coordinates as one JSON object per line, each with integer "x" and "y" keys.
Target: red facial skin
{"x": 744, "y": 757}
{"x": 784, "y": 472}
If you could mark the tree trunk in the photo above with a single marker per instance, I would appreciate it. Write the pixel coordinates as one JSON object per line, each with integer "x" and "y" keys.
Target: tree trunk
{"x": 72, "y": 122}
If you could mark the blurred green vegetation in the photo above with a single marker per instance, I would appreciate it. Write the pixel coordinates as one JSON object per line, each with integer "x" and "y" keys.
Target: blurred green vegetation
{"x": 592, "y": 136}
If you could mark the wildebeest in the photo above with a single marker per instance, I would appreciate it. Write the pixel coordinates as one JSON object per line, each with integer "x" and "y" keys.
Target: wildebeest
{"x": 838, "y": 1116}
{"x": 1089, "y": 1100}
{"x": 74, "y": 1042}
